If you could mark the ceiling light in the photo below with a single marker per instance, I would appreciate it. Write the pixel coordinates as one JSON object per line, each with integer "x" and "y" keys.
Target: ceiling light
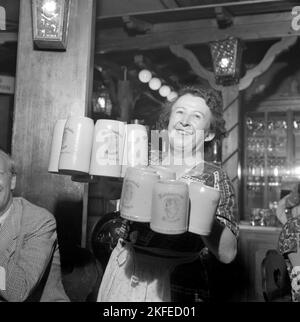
{"x": 227, "y": 56}
{"x": 145, "y": 76}
{"x": 164, "y": 91}
{"x": 155, "y": 83}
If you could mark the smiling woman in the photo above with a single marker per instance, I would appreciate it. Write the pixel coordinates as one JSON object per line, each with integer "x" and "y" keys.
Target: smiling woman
{"x": 150, "y": 264}
{"x": 217, "y": 124}
{"x": 213, "y": 102}
{"x": 189, "y": 124}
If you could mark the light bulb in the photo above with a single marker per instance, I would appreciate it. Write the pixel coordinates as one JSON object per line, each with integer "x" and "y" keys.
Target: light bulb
{"x": 155, "y": 83}
{"x": 172, "y": 96}
{"x": 164, "y": 91}
{"x": 224, "y": 63}
{"x": 101, "y": 102}
{"x": 49, "y": 7}
{"x": 145, "y": 76}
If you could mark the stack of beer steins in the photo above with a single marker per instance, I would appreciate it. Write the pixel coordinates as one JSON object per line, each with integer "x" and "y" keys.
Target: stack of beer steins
{"x": 153, "y": 195}
{"x": 80, "y": 147}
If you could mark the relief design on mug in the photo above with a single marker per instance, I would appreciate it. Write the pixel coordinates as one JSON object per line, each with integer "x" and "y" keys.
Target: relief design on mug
{"x": 134, "y": 147}
{"x": 172, "y": 204}
{"x": 216, "y": 180}
{"x": 129, "y": 189}
{"x": 108, "y": 148}
{"x": 67, "y": 133}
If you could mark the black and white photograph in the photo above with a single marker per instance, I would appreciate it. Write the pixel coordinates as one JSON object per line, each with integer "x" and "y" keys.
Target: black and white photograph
{"x": 149, "y": 154}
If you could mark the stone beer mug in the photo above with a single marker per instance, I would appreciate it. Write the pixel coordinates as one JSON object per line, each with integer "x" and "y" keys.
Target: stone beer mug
{"x": 170, "y": 204}
{"x": 135, "y": 147}
{"x": 56, "y": 144}
{"x": 203, "y": 205}
{"x": 108, "y": 146}
{"x": 135, "y": 203}
{"x": 76, "y": 145}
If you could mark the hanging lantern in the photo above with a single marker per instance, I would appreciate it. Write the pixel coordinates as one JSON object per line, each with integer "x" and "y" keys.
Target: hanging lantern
{"x": 227, "y": 57}
{"x": 102, "y": 102}
{"x": 50, "y": 19}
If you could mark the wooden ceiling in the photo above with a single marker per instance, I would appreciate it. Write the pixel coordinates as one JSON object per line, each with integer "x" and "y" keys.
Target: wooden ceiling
{"x": 131, "y": 34}
{"x": 187, "y": 10}
{"x": 139, "y": 34}
{"x": 134, "y": 37}
{"x": 189, "y": 23}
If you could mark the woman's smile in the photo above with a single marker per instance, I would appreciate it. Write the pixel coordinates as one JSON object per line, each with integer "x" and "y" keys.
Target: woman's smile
{"x": 184, "y": 131}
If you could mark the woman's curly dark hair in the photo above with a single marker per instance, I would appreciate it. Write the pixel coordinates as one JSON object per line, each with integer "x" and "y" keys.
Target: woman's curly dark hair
{"x": 214, "y": 102}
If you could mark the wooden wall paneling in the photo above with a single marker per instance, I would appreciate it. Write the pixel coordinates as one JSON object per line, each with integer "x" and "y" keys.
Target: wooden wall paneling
{"x": 49, "y": 86}
{"x": 231, "y": 144}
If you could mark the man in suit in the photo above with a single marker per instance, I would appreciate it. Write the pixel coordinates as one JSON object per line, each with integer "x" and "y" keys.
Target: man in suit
{"x": 29, "y": 255}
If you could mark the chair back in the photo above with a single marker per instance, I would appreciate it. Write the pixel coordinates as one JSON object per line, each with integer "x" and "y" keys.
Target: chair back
{"x": 276, "y": 284}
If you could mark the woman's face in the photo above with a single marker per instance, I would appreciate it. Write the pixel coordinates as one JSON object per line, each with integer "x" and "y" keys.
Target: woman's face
{"x": 189, "y": 123}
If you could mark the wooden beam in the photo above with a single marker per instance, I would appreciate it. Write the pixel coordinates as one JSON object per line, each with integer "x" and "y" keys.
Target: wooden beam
{"x": 231, "y": 144}
{"x": 190, "y": 57}
{"x": 248, "y": 28}
{"x": 224, "y": 17}
{"x": 169, "y": 4}
{"x": 278, "y": 103}
{"x": 136, "y": 25}
{"x": 8, "y": 37}
{"x": 187, "y": 9}
{"x": 84, "y": 215}
{"x": 276, "y": 49}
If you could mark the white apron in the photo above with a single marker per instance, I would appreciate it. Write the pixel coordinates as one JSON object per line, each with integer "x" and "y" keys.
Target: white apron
{"x": 131, "y": 276}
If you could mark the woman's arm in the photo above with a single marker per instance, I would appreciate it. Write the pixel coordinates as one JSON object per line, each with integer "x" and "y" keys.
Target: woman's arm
{"x": 222, "y": 241}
